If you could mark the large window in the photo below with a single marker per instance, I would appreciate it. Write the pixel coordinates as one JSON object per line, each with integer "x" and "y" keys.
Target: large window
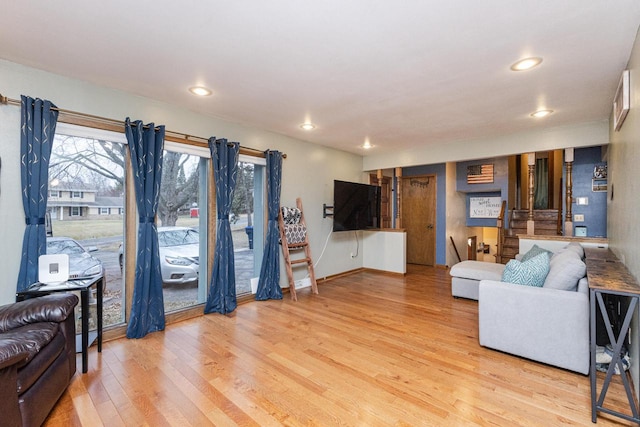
{"x": 182, "y": 226}
{"x": 87, "y": 206}
{"x": 88, "y": 167}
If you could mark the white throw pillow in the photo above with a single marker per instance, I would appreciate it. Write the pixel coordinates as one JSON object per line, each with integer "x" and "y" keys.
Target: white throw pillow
{"x": 566, "y": 269}
{"x": 577, "y": 248}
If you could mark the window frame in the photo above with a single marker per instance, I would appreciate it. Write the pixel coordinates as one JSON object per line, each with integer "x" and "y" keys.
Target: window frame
{"x": 98, "y": 128}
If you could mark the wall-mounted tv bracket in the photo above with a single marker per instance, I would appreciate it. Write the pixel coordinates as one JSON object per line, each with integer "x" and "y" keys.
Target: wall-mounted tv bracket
{"x": 324, "y": 210}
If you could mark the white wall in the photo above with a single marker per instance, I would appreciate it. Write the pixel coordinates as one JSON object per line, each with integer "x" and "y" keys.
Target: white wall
{"x": 11, "y": 211}
{"x": 623, "y": 228}
{"x": 308, "y": 171}
{"x": 385, "y": 251}
{"x": 545, "y": 139}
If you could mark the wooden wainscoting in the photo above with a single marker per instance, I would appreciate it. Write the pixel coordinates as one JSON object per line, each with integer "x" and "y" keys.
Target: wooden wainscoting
{"x": 371, "y": 349}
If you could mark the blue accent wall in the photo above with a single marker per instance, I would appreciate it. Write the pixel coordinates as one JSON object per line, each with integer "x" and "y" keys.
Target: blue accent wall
{"x": 595, "y": 213}
{"x": 440, "y": 171}
{"x": 498, "y": 188}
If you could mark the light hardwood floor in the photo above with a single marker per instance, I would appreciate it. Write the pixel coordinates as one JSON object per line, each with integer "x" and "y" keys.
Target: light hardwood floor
{"x": 371, "y": 349}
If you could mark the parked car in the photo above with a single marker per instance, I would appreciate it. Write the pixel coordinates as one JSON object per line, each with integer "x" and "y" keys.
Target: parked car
{"x": 81, "y": 263}
{"x": 179, "y": 249}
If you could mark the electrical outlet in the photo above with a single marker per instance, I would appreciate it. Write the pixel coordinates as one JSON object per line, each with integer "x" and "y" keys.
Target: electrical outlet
{"x": 303, "y": 283}
{"x": 578, "y": 218}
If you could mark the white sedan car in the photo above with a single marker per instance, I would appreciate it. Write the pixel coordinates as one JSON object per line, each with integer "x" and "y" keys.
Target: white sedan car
{"x": 179, "y": 255}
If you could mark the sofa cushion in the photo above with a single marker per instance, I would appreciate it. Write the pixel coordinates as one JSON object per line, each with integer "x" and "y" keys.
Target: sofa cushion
{"x": 572, "y": 247}
{"x": 30, "y": 338}
{"x": 566, "y": 269}
{"x": 535, "y": 250}
{"x": 532, "y": 272}
{"x": 477, "y": 270}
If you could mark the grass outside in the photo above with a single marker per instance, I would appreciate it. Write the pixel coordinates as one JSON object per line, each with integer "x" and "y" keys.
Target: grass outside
{"x": 99, "y": 228}
{"x": 87, "y": 229}
{"x": 105, "y": 228}
{"x": 84, "y": 229}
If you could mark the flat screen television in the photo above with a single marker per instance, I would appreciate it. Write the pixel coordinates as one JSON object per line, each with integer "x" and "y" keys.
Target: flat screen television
{"x": 355, "y": 206}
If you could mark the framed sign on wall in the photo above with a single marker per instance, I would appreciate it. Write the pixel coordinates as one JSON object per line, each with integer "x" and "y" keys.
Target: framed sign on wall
{"x": 621, "y": 102}
{"x": 480, "y": 174}
{"x": 484, "y": 207}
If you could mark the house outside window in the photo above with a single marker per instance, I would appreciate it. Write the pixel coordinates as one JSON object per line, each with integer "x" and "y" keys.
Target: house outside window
{"x": 75, "y": 211}
{"x": 104, "y": 211}
{"x": 54, "y": 193}
{"x": 76, "y": 194}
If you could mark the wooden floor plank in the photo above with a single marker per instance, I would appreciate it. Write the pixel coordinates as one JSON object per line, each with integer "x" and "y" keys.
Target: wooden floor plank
{"x": 371, "y": 349}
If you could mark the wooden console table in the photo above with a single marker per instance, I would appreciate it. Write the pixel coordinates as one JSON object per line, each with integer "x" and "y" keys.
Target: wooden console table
{"x": 608, "y": 276}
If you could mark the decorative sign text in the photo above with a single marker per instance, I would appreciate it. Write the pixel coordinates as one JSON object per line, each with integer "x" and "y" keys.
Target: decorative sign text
{"x": 484, "y": 207}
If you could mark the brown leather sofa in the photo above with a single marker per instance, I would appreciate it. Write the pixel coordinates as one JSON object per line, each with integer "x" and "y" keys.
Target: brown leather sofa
{"x": 37, "y": 357}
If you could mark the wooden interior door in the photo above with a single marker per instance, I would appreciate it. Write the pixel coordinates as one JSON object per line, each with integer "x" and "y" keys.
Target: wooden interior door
{"x": 419, "y": 218}
{"x": 385, "y": 199}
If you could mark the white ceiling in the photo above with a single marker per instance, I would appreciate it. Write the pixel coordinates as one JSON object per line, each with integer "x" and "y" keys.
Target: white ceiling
{"x": 402, "y": 74}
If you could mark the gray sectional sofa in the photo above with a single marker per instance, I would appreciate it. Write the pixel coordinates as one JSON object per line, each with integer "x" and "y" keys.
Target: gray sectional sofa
{"x": 548, "y": 324}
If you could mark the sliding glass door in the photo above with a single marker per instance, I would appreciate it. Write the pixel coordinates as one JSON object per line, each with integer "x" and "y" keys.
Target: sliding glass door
{"x": 247, "y": 222}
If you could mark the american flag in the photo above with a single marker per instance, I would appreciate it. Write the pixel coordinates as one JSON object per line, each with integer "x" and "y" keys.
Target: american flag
{"x": 480, "y": 174}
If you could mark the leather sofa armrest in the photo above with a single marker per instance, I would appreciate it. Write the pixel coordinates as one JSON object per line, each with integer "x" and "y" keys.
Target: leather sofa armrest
{"x": 49, "y": 308}
{"x": 10, "y": 355}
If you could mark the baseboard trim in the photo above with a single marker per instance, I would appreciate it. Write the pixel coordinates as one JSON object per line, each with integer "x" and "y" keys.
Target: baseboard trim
{"x": 120, "y": 331}
{"x": 385, "y": 272}
{"x": 343, "y": 274}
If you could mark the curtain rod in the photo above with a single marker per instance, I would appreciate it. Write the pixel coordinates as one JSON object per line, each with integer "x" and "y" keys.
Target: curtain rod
{"x": 68, "y": 116}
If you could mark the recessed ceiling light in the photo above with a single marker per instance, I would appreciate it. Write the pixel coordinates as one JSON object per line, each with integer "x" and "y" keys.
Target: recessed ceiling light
{"x": 307, "y": 126}
{"x": 526, "y": 63}
{"x": 200, "y": 91}
{"x": 367, "y": 145}
{"x": 541, "y": 113}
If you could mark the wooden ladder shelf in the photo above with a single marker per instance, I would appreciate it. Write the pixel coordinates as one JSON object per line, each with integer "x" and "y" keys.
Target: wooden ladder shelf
{"x": 299, "y": 242}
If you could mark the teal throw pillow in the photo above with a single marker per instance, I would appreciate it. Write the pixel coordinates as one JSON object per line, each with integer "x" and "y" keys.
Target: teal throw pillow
{"x": 532, "y": 272}
{"x": 535, "y": 250}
